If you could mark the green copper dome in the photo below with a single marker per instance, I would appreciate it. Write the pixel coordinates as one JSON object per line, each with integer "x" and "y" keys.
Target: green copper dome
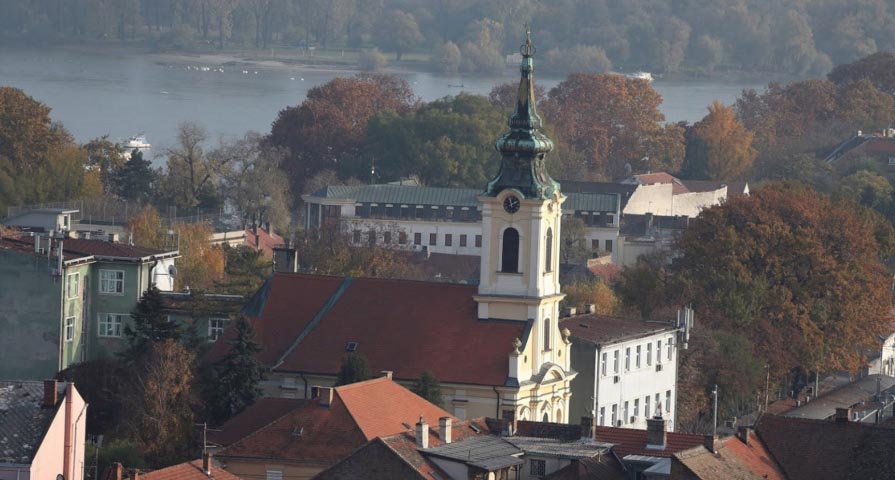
{"x": 524, "y": 148}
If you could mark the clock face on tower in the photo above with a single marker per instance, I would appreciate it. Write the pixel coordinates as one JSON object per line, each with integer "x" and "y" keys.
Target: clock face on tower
{"x": 511, "y": 204}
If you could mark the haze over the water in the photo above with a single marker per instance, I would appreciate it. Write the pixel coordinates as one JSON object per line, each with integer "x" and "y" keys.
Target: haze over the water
{"x": 95, "y": 94}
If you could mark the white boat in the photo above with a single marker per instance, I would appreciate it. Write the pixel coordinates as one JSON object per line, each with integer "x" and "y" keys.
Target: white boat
{"x": 138, "y": 142}
{"x": 640, "y": 76}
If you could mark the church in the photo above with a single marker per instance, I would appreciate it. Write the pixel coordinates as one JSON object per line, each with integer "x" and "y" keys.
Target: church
{"x": 497, "y": 347}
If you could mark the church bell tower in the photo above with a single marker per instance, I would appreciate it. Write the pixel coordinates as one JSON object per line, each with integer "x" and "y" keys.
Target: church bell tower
{"x": 521, "y": 213}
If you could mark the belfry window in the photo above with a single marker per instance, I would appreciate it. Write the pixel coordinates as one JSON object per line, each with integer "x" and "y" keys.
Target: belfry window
{"x": 510, "y": 253}
{"x": 546, "y": 334}
{"x": 548, "y": 256}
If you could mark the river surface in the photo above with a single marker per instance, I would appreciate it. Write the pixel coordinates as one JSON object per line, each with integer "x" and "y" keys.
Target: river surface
{"x": 119, "y": 95}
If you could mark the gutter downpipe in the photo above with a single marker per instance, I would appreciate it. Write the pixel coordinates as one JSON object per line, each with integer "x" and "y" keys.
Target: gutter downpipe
{"x": 305, "y": 380}
{"x": 497, "y": 411}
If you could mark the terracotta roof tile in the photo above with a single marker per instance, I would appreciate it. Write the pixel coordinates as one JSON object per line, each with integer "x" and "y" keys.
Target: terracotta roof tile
{"x": 263, "y": 240}
{"x": 189, "y": 471}
{"x": 258, "y": 415}
{"x": 629, "y": 441}
{"x": 733, "y": 460}
{"x": 404, "y": 326}
{"x": 662, "y": 178}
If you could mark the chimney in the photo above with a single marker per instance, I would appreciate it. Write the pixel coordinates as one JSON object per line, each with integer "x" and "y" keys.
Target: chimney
{"x": 325, "y": 396}
{"x": 590, "y": 308}
{"x": 422, "y": 433}
{"x": 119, "y": 470}
{"x": 708, "y": 441}
{"x": 387, "y": 374}
{"x": 113, "y": 238}
{"x": 206, "y": 464}
{"x": 649, "y": 223}
{"x": 843, "y": 415}
{"x": 267, "y": 228}
{"x": 51, "y": 393}
{"x": 444, "y": 429}
{"x": 655, "y": 433}
{"x": 37, "y": 244}
{"x": 743, "y": 434}
{"x": 85, "y": 235}
{"x": 587, "y": 428}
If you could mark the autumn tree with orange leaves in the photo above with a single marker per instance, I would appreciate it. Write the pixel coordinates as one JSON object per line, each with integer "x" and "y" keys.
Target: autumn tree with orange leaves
{"x": 608, "y": 121}
{"x": 785, "y": 279}
{"x": 728, "y": 145}
{"x": 330, "y": 126}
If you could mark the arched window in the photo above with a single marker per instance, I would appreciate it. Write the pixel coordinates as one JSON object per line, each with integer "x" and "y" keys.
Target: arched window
{"x": 546, "y": 417}
{"x": 548, "y": 257}
{"x": 510, "y": 255}
{"x": 546, "y": 334}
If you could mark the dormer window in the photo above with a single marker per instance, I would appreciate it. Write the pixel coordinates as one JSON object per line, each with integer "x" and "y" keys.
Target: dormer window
{"x": 351, "y": 347}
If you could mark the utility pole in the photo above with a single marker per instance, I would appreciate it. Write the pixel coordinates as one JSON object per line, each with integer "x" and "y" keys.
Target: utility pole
{"x": 715, "y": 411}
{"x": 767, "y": 385}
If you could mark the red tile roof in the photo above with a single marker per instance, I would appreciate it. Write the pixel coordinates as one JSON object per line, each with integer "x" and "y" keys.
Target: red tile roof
{"x": 189, "y": 471}
{"x": 258, "y": 415}
{"x": 662, "y": 178}
{"x": 811, "y": 449}
{"x": 404, "y": 326}
{"x": 603, "y": 329}
{"x": 263, "y": 240}
{"x": 629, "y": 441}
{"x": 732, "y": 460}
{"x": 322, "y": 436}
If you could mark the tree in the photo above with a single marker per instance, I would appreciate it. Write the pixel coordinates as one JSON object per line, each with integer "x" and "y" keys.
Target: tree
{"x": 481, "y": 50}
{"x": 647, "y": 285}
{"x": 399, "y": 32}
{"x": 591, "y": 291}
{"x": 329, "y": 251}
{"x": 191, "y": 176}
{"x": 574, "y": 249}
{"x": 707, "y": 51}
{"x": 201, "y": 264}
{"x": 133, "y": 180}
{"x": 107, "y": 158}
{"x": 868, "y": 189}
{"x": 150, "y": 326}
{"x": 237, "y": 375}
{"x": 675, "y": 36}
{"x": 773, "y": 266}
{"x": 99, "y": 382}
{"x": 146, "y": 229}
{"x": 371, "y": 60}
{"x": 728, "y": 143}
{"x": 245, "y": 270}
{"x": 354, "y": 369}
{"x": 330, "y": 126}
{"x": 428, "y": 387}
{"x": 878, "y": 68}
{"x": 627, "y": 131}
{"x": 447, "y": 58}
{"x": 159, "y": 400}
{"x": 578, "y": 59}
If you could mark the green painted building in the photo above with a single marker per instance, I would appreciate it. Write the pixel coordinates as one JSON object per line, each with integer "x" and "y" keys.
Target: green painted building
{"x": 58, "y": 311}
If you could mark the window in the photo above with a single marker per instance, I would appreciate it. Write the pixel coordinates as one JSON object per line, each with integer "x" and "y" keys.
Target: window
{"x": 646, "y": 412}
{"x": 448, "y": 239}
{"x": 891, "y": 161}
{"x": 372, "y": 238}
{"x": 625, "y": 416}
{"x": 417, "y": 238}
{"x": 603, "y": 367}
{"x": 402, "y": 238}
{"x": 668, "y": 400}
{"x": 355, "y": 236}
{"x": 594, "y": 244}
{"x": 637, "y": 357}
{"x": 462, "y": 240}
{"x": 69, "y": 329}
{"x": 538, "y": 468}
{"x": 387, "y": 238}
{"x": 659, "y": 351}
{"x": 358, "y": 210}
{"x": 274, "y": 475}
{"x": 614, "y": 414}
{"x": 636, "y": 407}
{"x": 111, "y": 281}
{"x": 433, "y": 239}
{"x": 615, "y": 362}
{"x": 510, "y": 255}
{"x": 548, "y": 255}
{"x": 658, "y": 403}
{"x": 478, "y": 241}
{"x": 216, "y": 328}
{"x": 546, "y": 334}
{"x": 649, "y": 354}
{"x": 669, "y": 348}
{"x": 609, "y": 246}
{"x": 602, "y": 416}
{"x": 627, "y": 358}
{"x": 73, "y": 285}
{"x": 110, "y": 324}
{"x": 610, "y": 219}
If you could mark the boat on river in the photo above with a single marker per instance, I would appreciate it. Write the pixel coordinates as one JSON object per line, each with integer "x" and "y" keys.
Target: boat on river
{"x": 137, "y": 141}
{"x": 640, "y": 76}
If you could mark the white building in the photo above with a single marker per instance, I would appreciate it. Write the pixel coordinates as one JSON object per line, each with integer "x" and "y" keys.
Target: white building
{"x": 627, "y": 370}
{"x": 666, "y": 195}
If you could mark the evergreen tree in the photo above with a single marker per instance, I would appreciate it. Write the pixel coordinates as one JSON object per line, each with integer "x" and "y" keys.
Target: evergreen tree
{"x": 133, "y": 181}
{"x": 427, "y": 386}
{"x": 237, "y": 375}
{"x": 150, "y": 325}
{"x": 245, "y": 271}
{"x": 354, "y": 369}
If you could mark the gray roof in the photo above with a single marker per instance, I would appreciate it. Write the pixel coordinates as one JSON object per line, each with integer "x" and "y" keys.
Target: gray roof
{"x": 458, "y": 197}
{"x": 23, "y": 421}
{"x": 487, "y": 452}
{"x": 556, "y": 448}
{"x": 847, "y": 396}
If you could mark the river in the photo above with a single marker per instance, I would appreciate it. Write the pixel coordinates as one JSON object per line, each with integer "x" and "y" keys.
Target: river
{"x": 119, "y": 95}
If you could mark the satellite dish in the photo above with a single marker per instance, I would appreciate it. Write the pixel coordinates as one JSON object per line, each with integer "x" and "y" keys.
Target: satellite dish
{"x": 172, "y": 270}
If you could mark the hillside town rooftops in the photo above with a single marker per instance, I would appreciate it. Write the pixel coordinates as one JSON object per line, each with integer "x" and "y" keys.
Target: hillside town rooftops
{"x": 604, "y": 329}
{"x": 24, "y": 420}
{"x": 846, "y": 396}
